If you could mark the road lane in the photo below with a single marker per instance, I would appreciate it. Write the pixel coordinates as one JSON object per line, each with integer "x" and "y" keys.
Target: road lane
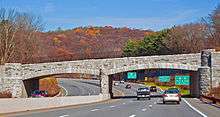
{"x": 127, "y": 107}
{"x": 76, "y": 87}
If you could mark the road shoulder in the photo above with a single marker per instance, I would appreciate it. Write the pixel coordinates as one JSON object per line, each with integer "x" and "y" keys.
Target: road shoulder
{"x": 207, "y": 109}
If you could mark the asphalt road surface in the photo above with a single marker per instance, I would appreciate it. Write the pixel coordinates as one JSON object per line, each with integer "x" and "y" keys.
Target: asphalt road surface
{"x": 77, "y": 87}
{"x": 125, "y": 107}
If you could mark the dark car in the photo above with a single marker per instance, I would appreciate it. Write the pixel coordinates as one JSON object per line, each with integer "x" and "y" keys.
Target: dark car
{"x": 128, "y": 86}
{"x": 39, "y": 93}
{"x": 122, "y": 81}
{"x": 143, "y": 93}
{"x": 153, "y": 88}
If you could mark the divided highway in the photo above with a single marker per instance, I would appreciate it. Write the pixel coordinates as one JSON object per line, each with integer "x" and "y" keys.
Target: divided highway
{"x": 125, "y": 107}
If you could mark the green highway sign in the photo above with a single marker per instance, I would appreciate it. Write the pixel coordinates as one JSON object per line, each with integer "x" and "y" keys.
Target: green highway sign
{"x": 132, "y": 75}
{"x": 164, "y": 78}
{"x": 182, "y": 80}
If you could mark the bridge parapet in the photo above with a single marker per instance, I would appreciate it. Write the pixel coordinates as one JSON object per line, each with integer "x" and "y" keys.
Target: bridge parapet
{"x": 12, "y": 74}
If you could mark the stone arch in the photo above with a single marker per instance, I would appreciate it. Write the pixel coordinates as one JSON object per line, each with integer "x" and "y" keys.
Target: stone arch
{"x": 31, "y": 75}
{"x": 178, "y": 66}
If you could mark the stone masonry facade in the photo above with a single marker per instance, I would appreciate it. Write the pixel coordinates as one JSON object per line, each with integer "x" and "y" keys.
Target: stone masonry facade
{"x": 13, "y": 74}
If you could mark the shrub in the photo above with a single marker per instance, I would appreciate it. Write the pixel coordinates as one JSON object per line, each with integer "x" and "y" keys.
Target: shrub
{"x": 49, "y": 84}
{"x": 5, "y": 94}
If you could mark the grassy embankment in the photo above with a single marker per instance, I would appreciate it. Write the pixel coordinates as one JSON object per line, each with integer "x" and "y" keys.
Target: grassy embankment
{"x": 49, "y": 84}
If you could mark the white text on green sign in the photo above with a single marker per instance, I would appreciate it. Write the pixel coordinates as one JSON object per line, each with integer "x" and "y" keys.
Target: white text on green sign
{"x": 132, "y": 75}
{"x": 164, "y": 78}
{"x": 182, "y": 80}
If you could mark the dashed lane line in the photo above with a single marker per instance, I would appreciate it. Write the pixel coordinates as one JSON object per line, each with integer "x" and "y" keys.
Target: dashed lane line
{"x": 112, "y": 106}
{"x": 144, "y": 109}
{"x": 94, "y": 110}
{"x": 64, "y": 116}
{"x": 132, "y": 116}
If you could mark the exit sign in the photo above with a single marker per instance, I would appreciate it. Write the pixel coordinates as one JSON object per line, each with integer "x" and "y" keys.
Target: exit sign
{"x": 182, "y": 80}
{"x": 164, "y": 78}
{"x": 132, "y": 75}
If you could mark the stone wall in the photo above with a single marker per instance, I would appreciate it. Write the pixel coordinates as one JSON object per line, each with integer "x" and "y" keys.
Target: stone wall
{"x": 2, "y": 73}
{"x": 15, "y": 73}
{"x": 92, "y": 66}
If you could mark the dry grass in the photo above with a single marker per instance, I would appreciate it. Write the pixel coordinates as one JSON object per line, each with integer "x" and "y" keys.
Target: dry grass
{"x": 49, "y": 84}
{"x": 5, "y": 94}
{"x": 215, "y": 92}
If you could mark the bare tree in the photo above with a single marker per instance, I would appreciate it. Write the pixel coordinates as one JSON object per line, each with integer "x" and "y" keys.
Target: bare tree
{"x": 212, "y": 23}
{"x": 187, "y": 38}
{"x": 18, "y": 35}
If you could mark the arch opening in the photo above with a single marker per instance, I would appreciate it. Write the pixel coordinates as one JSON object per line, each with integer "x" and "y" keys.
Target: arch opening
{"x": 64, "y": 84}
{"x": 152, "y": 77}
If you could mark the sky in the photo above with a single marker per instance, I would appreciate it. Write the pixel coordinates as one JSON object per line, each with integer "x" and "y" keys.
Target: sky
{"x": 140, "y": 14}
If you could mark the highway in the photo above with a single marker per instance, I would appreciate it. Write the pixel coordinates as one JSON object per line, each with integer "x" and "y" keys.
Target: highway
{"x": 125, "y": 107}
{"x": 75, "y": 87}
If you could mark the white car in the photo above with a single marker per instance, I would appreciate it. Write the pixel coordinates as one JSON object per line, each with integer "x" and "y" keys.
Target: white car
{"x": 171, "y": 96}
{"x": 122, "y": 81}
{"x": 116, "y": 83}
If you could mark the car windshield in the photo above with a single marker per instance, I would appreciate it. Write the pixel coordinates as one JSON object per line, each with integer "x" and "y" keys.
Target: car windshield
{"x": 171, "y": 91}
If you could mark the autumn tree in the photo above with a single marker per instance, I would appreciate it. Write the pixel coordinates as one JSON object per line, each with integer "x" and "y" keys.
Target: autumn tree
{"x": 188, "y": 38}
{"x": 212, "y": 23}
{"x": 18, "y": 35}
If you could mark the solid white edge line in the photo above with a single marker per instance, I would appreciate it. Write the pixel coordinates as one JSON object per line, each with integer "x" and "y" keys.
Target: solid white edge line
{"x": 65, "y": 90}
{"x": 194, "y": 108}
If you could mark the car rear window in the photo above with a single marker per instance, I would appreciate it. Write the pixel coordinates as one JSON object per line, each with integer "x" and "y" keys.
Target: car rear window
{"x": 37, "y": 92}
{"x": 171, "y": 91}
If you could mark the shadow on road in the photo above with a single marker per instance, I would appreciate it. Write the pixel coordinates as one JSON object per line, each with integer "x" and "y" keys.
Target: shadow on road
{"x": 128, "y": 97}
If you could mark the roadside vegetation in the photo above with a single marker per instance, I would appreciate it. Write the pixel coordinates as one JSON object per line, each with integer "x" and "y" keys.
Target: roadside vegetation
{"x": 182, "y": 39}
{"x": 164, "y": 87}
{"x": 49, "y": 84}
{"x": 5, "y": 94}
{"x": 22, "y": 40}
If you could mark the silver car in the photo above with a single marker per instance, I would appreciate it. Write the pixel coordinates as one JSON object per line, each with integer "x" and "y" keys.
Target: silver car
{"x": 171, "y": 96}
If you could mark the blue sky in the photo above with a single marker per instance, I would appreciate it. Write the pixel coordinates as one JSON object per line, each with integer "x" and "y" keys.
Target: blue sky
{"x": 141, "y": 14}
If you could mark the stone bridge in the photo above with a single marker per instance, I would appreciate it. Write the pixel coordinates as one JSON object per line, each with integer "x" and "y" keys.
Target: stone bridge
{"x": 206, "y": 64}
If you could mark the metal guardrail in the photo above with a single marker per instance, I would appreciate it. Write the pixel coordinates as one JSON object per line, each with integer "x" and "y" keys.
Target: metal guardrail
{"x": 213, "y": 99}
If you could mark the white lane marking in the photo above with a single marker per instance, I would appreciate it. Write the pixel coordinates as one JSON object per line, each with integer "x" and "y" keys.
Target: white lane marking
{"x": 132, "y": 116}
{"x": 112, "y": 106}
{"x": 194, "y": 108}
{"x": 124, "y": 103}
{"x": 144, "y": 109}
{"x": 94, "y": 109}
{"x": 65, "y": 90}
{"x": 64, "y": 116}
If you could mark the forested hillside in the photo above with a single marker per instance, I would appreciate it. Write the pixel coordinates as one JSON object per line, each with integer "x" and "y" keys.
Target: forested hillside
{"x": 85, "y": 42}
